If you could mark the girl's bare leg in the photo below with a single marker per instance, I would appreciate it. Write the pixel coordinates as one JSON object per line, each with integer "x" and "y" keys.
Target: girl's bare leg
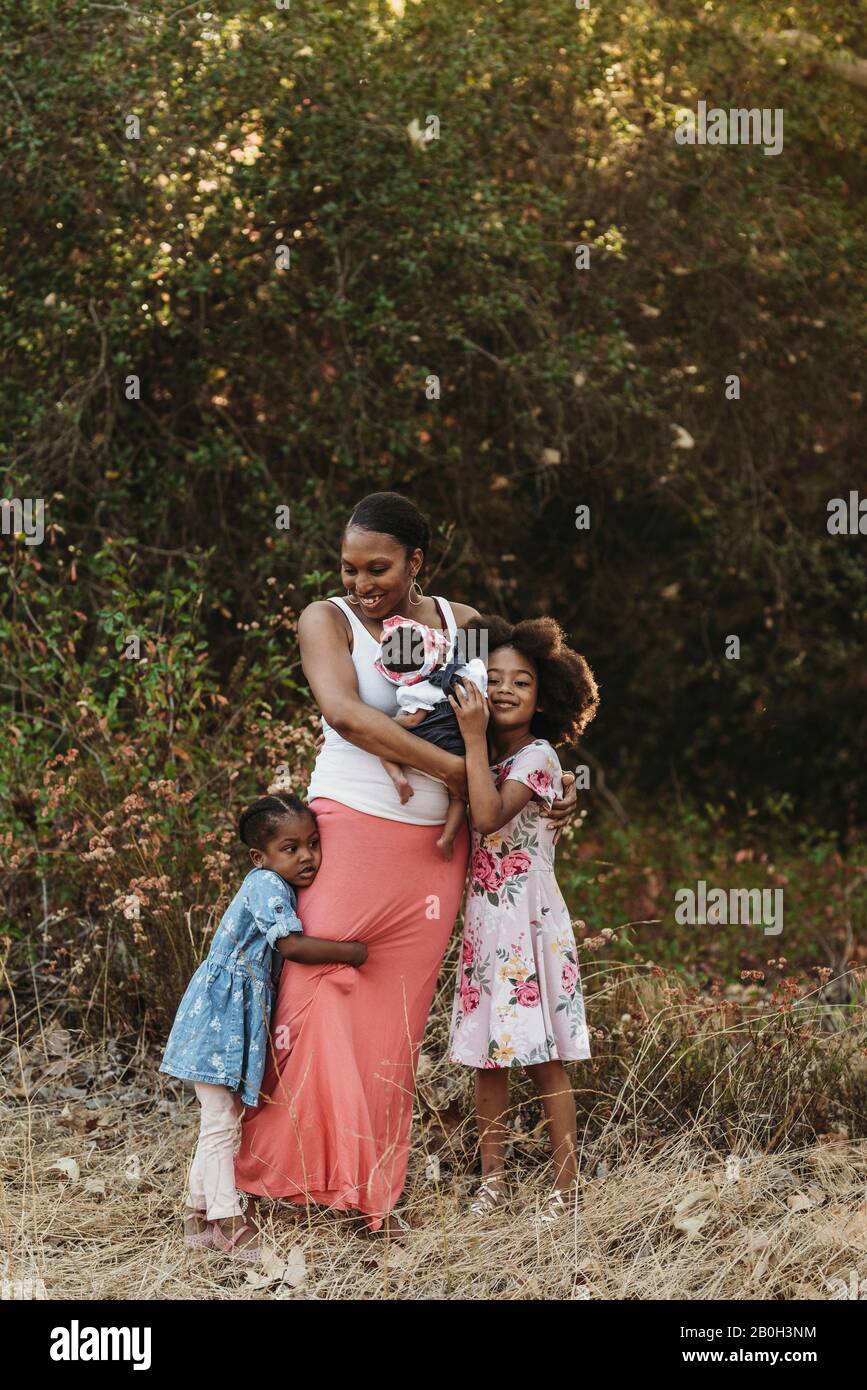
{"x": 492, "y": 1103}
{"x": 394, "y": 770}
{"x": 558, "y": 1099}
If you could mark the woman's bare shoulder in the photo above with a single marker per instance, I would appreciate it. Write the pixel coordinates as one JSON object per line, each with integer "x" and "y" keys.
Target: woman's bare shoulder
{"x": 320, "y": 610}
{"x": 463, "y": 612}
{"x": 322, "y": 616}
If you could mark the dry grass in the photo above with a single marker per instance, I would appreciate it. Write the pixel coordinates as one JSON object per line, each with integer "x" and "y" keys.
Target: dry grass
{"x": 661, "y": 1218}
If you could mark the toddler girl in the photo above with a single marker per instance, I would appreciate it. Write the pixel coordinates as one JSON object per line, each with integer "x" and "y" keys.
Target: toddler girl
{"x": 219, "y": 1038}
{"x": 518, "y": 998}
{"x": 426, "y": 666}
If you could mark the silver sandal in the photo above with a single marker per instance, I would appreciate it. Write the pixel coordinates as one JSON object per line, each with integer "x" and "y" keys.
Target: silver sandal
{"x": 559, "y": 1203}
{"x": 489, "y": 1197}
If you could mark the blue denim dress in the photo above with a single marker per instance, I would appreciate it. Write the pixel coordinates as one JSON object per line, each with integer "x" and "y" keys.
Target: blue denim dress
{"x": 220, "y": 1032}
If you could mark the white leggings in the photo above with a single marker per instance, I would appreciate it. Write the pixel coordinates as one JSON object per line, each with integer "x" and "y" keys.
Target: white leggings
{"x": 211, "y": 1186}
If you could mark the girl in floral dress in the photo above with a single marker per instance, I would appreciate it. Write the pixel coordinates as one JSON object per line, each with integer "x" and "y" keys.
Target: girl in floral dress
{"x": 518, "y": 998}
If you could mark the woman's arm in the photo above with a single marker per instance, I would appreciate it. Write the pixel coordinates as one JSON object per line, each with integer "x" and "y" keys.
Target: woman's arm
{"x": 327, "y": 663}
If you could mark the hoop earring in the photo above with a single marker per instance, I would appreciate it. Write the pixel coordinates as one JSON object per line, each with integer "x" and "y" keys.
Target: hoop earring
{"x": 415, "y": 601}
{"x": 354, "y": 601}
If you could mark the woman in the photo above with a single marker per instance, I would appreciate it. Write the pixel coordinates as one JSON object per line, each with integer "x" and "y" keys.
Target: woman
{"x": 333, "y": 1126}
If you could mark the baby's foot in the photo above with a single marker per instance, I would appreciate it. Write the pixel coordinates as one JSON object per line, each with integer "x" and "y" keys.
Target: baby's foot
{"x": 445, "y": 845}
{"x": 404, "y": 790}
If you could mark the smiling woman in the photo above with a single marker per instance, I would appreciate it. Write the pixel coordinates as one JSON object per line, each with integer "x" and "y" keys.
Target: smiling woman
{"x": 383, "y": 549}
{"x": 333, "y": 1126}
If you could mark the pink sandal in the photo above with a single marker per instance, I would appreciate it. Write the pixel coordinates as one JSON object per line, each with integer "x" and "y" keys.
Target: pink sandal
{"x": 197, "y": 1240}
{"x": 249, "y": 1253}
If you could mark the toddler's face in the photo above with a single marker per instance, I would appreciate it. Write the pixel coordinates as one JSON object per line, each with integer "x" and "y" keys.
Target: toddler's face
{"x": 294, "y": 851}
{"x": 513, "y": 688}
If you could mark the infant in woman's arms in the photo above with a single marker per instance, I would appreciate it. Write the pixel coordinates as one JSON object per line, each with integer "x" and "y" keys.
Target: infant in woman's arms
{"x": 424, "y": 663}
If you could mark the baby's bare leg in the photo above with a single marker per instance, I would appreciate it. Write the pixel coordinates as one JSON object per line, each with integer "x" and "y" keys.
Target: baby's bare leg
{"x": 394, "y": 770}
{"x": 454, "y": 821}
{"x": 398, "y": 777}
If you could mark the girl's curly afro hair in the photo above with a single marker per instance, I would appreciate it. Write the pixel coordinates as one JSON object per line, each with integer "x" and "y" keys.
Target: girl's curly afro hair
{"x": 568, "y": 694}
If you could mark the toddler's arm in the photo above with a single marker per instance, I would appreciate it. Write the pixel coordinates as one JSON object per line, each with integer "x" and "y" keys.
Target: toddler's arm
{"x": 318, "y": 950}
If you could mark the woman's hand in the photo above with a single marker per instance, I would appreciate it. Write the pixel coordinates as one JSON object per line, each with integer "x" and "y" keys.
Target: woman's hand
{"x": 562, "y": 810}
{"x": 471, "y": 708}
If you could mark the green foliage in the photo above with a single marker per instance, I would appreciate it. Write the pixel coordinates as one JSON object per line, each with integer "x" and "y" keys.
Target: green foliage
{"x": 262, "y": 128}
{"x": 626, "y": 877}
{"x": 260, "y": 387}
{"x": 126, "y": 768}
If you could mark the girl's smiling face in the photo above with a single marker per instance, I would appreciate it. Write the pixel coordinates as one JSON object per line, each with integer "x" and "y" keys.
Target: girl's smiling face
{"x": 376, "y": 570}
{"x": 513, "y": 688}
{"x": 293, "y": 851}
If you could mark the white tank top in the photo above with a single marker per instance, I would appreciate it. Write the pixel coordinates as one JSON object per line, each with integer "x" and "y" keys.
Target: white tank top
{"x": 357, "y": 778}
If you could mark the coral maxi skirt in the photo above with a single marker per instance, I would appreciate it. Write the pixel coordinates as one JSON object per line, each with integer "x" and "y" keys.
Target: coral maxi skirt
{"x": 337, "y": 1094}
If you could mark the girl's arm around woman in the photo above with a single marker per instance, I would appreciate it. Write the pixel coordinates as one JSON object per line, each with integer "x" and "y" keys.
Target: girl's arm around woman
{"x": 318, "y": 950}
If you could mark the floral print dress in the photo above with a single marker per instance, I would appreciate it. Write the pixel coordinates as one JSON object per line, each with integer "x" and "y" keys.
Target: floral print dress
{"x": 518, "y": 998}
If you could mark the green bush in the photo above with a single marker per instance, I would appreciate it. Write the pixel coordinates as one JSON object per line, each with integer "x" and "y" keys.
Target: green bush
{"x": 262, "y": 388}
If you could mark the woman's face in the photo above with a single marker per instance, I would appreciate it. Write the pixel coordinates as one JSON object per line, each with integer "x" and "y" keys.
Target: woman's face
{"x": 376, "y": 570}
{"x": 513, "y": 688}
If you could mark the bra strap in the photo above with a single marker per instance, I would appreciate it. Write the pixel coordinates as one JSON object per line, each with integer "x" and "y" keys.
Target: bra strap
{"x": 446, "y": 611}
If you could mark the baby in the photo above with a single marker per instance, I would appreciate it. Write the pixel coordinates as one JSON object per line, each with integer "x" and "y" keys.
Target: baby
{"x": 424, "y": 664}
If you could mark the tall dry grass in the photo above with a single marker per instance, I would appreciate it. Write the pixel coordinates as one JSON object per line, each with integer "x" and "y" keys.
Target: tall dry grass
{"x": 722, "y": 1155}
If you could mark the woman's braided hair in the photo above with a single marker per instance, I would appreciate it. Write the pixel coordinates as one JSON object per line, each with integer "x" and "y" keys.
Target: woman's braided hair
{"x": 258, "y": 822}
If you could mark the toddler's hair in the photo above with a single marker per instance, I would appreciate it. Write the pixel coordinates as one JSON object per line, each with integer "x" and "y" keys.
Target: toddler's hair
{"x": 568, "y": 692}
{"x": 258, "y": 823}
